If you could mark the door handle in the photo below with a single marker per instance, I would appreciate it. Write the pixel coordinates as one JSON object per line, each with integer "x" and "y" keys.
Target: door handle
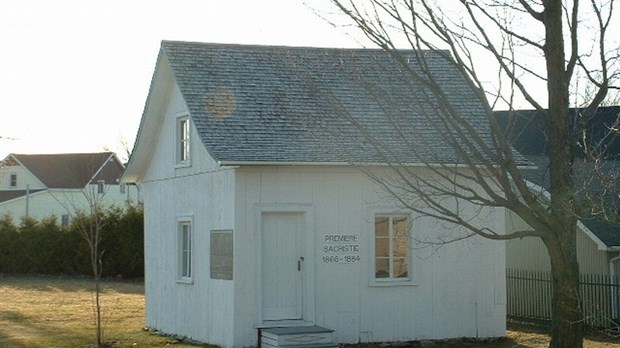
{"x": 301, "y": 259}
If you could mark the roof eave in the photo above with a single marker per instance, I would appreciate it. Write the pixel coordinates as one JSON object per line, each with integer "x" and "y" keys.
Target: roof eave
{"x": 143, "y": 148}
{"x": 233, "y": 163}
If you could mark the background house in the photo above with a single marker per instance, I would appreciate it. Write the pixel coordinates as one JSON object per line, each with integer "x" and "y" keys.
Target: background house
{"x": 42, "y": 185}
{"x": 257, "y": 224}
{"x": 598, "y": 240}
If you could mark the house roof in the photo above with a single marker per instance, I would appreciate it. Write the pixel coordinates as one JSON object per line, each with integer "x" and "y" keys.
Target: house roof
{"x": 607, "y": 232}
{"x": 526, "y": 131}
{"x": 72, "y": 170}
{"x": 7, "y": 195}
{"x": 258, "y": 104}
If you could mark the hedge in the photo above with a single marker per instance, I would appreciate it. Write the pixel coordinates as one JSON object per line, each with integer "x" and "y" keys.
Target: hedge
{"x": 45, "y": 247}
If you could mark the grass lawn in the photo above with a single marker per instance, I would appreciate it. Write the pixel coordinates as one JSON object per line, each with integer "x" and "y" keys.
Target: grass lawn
{"x": 54, "y": 312}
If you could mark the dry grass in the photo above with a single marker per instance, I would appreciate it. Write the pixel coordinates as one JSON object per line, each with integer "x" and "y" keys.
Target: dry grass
{"x": 532, "y": 337}
{"x": 37, "y": 312}
{"x": 53, "y": 312}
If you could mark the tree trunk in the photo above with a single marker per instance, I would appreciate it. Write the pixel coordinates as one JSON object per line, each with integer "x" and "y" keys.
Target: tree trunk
{"x": 98, "y": 313}
{"x": 567, "y": 316}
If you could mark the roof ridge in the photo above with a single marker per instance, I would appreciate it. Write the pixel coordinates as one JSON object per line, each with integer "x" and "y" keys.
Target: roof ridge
{"x": 61, "y": 153}
{"x": 256, "y": 46}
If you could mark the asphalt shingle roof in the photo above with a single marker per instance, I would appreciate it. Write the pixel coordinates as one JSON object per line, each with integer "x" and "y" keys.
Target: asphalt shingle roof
{"x": 264, "y": 104}
{"x": 72, "y": 170}
{"x": 526, "y": 130}
{"x": 7, "y": 195}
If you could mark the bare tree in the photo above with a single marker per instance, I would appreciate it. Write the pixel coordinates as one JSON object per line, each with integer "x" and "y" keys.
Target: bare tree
{"x": 89, "y": 223}
{"x": 86, "y": 210}
{"x": 510, "y": 51}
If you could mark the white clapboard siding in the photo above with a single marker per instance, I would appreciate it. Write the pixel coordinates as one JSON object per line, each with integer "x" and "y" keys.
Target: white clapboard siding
{"x": 459, "y": 288}
{"x": 203, "y": 309}
{"x": 25, "y": 179}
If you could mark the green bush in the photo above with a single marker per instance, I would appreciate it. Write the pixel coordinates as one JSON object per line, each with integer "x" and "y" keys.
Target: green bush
{"x": 45, "y": 247}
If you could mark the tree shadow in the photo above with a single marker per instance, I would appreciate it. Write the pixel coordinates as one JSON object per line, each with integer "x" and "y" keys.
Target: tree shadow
{"x": 35, "y": 334}
{"x": 500, "y": 342}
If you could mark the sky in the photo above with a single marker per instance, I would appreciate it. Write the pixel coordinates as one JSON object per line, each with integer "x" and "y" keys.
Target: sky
{"x": 74, "y": 74}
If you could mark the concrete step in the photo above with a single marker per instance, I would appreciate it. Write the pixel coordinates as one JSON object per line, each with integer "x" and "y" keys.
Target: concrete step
{"x": 298, "y": 337}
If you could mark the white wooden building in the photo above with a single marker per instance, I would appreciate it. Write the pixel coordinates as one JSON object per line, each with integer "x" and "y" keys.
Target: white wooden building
{"x": 256, "y": 220}
{"x": 45, "y": 185}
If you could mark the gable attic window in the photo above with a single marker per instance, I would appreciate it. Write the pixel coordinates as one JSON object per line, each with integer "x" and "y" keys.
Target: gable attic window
{"x": 182, "y": 141}
{"x": 13, "y": 181}
{"x": 391, "y": 252}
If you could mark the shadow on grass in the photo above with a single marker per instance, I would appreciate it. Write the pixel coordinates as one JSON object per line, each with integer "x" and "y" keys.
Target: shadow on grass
{"x": 19, "y": 331}
{"x": 70, "y": 284}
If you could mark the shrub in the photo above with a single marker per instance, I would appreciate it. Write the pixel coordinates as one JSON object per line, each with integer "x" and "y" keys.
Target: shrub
{"x": 45, "y": 247}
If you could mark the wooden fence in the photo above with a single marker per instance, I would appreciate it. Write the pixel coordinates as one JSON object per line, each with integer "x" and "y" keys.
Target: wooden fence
{"x": 529, "y": 297}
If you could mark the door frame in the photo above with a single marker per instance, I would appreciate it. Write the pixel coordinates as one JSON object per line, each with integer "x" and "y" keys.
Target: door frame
{"x": 307, "y": 212}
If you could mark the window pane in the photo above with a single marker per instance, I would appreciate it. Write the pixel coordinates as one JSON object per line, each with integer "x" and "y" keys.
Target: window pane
{"x": 381, "y": 226}
{"x": 183, "y": 139}
{"x": 189, "y": 263}
{"x": 401, "y": 247}
{"x": 400, "y": 226}
{"x": 186, "y": 250}
{"x": 185, "y": 235}
{"x": 382, "y": 268}
{"x": 401, "y": 267}
{"x": 382, "y": 247}
{"x": 185, "y": 265}
{"x": 189, "y": 251}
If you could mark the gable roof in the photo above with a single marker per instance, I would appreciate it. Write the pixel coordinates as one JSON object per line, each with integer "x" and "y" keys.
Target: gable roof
{"x": 607, "y": 232}
{"x": 284, "y": 105}
{"x": 72, "y": 170}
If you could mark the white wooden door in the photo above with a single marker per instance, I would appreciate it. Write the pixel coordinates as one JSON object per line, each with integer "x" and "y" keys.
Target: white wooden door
{"x": 282, "y": 266}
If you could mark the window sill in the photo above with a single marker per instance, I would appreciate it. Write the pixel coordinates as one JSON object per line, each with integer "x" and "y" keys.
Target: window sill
{"x": 384, "y": 283}
{"x": 182, "y": 165}
{"x": 186, "y": 281}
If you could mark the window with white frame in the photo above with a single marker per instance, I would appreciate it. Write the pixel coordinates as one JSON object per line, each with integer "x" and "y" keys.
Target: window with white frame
{"x": 183, "y": 141}
{"x": 185, "y": 249}
{"x": 13, "y": 180}
{"x": 391, "y": 257}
